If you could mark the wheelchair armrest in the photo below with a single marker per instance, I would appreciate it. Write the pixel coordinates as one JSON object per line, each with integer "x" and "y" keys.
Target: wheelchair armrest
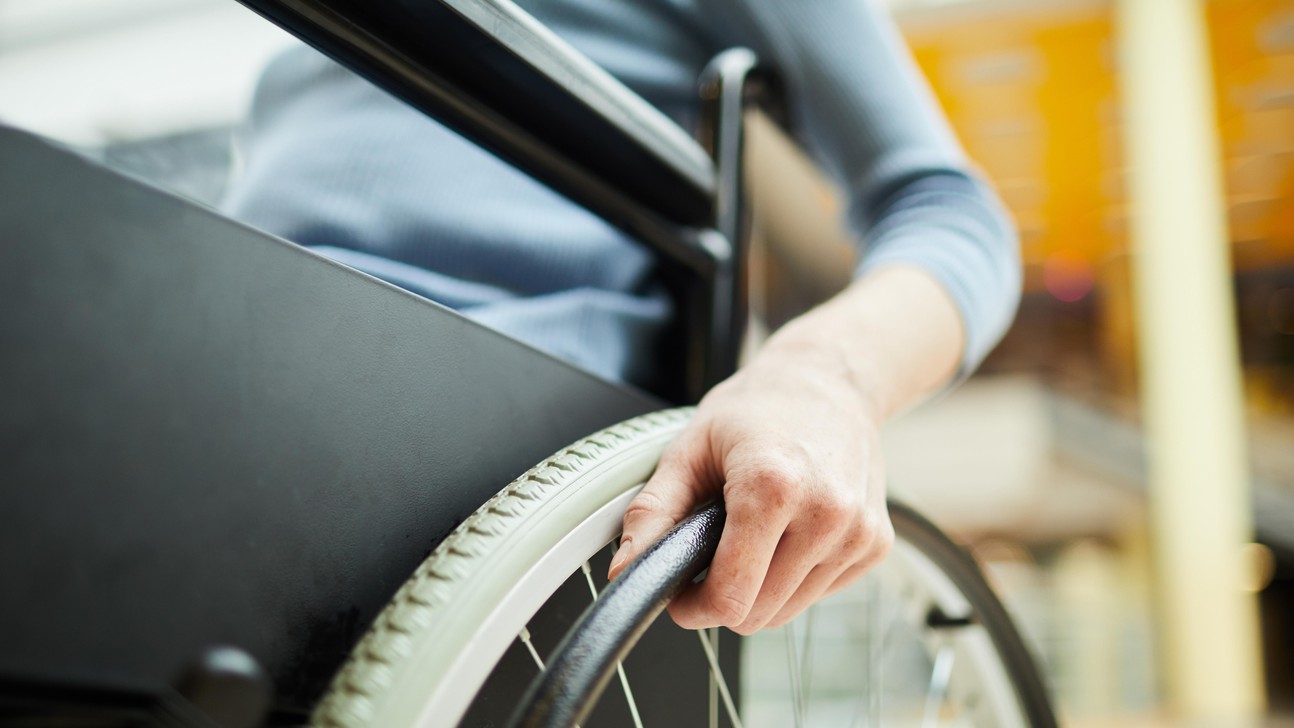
{"x": 492, "y": 72}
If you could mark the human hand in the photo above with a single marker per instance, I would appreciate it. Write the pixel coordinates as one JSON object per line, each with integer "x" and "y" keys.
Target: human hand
{"x": 794, "y": 450}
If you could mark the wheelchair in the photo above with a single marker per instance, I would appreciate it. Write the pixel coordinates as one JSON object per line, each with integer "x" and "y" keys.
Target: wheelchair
{"x": 213, "y": 487}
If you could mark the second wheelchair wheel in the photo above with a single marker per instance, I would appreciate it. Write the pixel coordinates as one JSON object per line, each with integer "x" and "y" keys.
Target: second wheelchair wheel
{"x": 925, "y": 616}
{"x": 920, "y": 641}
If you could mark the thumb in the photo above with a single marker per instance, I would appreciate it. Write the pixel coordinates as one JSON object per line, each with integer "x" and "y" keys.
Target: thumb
{"x": 671, "y": 493}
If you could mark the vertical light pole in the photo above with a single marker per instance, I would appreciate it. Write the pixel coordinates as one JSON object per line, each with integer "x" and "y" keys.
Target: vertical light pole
{"x": 1190, "y": 376}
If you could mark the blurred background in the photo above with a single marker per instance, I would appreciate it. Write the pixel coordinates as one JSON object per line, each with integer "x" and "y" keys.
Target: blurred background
{"x": 1038, "y": 463}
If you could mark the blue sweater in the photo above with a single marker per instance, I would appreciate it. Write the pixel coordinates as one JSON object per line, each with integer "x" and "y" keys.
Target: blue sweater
{"x": 331, "y": 162}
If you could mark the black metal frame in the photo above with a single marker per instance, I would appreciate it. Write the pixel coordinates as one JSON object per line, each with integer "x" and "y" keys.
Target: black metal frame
{"x": 492, "y": 72}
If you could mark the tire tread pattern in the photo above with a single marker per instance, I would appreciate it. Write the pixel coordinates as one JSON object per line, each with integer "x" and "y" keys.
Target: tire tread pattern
{"x": 374, "y": 662}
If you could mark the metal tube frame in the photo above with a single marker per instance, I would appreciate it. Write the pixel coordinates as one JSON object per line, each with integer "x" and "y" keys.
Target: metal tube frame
{"x": 483, "y": 68}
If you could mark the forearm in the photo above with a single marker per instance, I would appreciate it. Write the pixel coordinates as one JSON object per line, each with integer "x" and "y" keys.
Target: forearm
{"x": 894, "y": 336}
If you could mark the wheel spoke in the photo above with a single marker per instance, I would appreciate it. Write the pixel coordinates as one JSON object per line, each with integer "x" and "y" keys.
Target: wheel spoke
{"x": 793, "y": 670}
{"x": 871, "y": 692}
{"x": 713, "y": 632}
{"x": 940, "y": 673}
{"x": 806, "y": 665}
{"x": 722, "y": 684}
{"x": 524, "y": 636}
{"x": 876, "y": 643}
{"x": 620, "y": 668}
{"x": 867, "y": 673}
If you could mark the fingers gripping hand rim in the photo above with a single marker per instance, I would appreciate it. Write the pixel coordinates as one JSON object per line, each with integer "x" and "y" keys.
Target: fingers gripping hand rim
{"x": 673, "y": 492}
{"x": 755, "y": 526}
{"x": 789, "y": 539}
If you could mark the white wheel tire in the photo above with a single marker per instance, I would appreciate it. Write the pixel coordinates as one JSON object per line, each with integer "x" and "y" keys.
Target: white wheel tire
{"x": 427, "y": 654}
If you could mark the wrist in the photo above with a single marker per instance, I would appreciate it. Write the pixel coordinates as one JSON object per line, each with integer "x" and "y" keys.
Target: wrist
{"x": 816, "y": 350}
{"x": 893, "y": 337}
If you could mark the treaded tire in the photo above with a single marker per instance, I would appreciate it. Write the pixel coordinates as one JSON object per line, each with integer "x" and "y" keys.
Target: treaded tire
{"x": 420, "y": 639}
{"x": 430, "y": 650}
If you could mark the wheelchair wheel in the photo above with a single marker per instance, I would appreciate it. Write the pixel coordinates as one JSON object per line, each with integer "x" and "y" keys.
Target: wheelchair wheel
{"x": 924, "y": 616}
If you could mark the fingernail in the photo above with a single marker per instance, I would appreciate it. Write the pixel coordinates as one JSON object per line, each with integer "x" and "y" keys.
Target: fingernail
{"x": 622, "y": 555}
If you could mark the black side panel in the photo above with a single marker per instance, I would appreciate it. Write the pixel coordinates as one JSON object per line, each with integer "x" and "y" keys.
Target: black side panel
{"x": 210, "y": 436}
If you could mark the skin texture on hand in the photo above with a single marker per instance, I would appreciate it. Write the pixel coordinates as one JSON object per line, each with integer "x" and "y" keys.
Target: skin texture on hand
{"x": 791, "y": 442}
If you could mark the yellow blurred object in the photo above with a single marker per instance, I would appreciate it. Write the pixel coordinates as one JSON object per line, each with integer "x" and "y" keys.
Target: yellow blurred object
{"x": 1192, "y": 407}
{"x": 1031, "y": 91}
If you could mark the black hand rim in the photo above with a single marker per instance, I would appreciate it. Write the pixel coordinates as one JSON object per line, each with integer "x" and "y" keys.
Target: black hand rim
{"x": 565, "y": 692}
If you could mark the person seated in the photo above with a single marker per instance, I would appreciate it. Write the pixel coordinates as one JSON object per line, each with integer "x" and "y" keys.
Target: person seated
{"x": 791, "y": 440}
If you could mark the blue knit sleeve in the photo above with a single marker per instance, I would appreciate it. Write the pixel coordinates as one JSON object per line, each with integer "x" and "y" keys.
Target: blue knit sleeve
{"x": 867, "y": 116}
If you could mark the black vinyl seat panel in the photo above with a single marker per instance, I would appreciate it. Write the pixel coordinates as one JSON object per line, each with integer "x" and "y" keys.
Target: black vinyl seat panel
{"x": 210, "y": 436}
